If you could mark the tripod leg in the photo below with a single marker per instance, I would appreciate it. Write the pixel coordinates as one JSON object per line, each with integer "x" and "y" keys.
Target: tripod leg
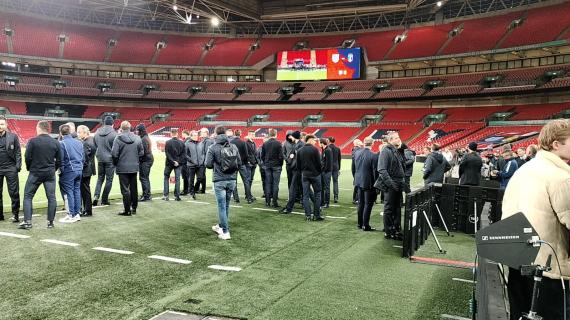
{"x": 476, "y": 216}
{"x": 433, "y": 233}
{"x": 442, "y": 220}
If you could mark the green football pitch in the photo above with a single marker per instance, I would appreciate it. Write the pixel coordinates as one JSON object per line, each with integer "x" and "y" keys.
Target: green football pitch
{"x": 290, "y": 269}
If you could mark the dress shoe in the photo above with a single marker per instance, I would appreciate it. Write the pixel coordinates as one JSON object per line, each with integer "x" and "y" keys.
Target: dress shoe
{"x": 194, "y": 196}
{"x": 368, "y": 229}
{"x": 284, "y": 211}
{"x": 249, "y": 201}
{"x": 50, "y": 225}
{"x": 318, "y": 219}
{"x": 335, "y": 200}
{"x": 133, "y": 211}
{"x": 86, "y": 214}
{"x": 268, "y": 204}
{"x": 398, "y": 236}
{"x": 15, "y": 218}
{"x": 177, "y": 199}
{"x": 184, "y": 194}
{"x": 95, "y": 202}
{"x": 308, "y": 218}
{"x": 165, "y": 199}
{"x": 326, "y": 206}
{"x": 143, "y": 199}
{"x": 124, "y": 213}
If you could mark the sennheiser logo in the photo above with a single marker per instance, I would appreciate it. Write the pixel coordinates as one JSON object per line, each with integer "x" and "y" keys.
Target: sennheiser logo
{"x": 485, "y": 238}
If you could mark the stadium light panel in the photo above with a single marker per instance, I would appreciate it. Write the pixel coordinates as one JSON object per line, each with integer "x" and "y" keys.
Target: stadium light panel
{"x": 215, "y": 21}
{"x": 439, "y": 3}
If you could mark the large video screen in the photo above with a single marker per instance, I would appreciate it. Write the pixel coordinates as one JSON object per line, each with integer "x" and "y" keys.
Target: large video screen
{"x": 323, "y": 64}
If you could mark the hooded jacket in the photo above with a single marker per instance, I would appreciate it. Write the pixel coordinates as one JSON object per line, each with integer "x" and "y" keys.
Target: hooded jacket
{"x": 213, "y": 160}
{"x": 288, "y": 147}
{"x": 409, "y": 159}
{"x": 205, "y": 144}
{"x": 104, "y": 138}
{"x": 71, "y": 154}
{"x": 194, "y": 153}
{"x": 435, "y": 167}
{"x": 539, "y": 190}
{"x": 126, "y": 152}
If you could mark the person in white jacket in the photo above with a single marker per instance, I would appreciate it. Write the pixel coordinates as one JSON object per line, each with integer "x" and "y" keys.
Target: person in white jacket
{"x": 540, "y": 190}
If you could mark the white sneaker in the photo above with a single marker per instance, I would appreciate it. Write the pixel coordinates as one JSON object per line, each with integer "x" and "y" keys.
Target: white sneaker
{"x": 67, "y": 219}
{"x": 216, "y": 228}
{"x": 77, "y": 218}
{"x": 224, "y": 236}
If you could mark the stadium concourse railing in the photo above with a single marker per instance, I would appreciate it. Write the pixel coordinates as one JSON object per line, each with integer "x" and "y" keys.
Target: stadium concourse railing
{"x": 458, "y": 207}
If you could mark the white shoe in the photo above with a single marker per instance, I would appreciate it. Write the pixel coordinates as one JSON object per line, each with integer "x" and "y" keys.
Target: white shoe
{"x": 67, "y": 219}
{"x": 216, "y": 228}
{"x": 77, "y": 218}
{"x": 224, "y": 236}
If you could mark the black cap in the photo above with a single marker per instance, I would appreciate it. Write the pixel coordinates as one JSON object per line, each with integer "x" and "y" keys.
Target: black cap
{"x": 296, "y": 135}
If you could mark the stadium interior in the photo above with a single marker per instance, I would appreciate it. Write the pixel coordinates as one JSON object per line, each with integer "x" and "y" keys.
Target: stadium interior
{"x": 447, "y": 72}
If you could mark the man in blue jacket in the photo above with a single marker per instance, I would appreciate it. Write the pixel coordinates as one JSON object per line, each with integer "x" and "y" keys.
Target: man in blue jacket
{"x": 72, "y": 155}
{"x": 508, "y": 170}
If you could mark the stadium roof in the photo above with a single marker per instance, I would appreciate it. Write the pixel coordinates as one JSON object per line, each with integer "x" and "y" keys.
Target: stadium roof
{"x": 257, "y": 17}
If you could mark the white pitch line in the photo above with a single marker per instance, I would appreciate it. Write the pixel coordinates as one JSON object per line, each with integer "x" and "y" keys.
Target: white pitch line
{"x": 36, "y": 215}
{"x": 198, "y": 202}
{"x": 112, "y": 250}
{"x": 333, "y": 217}
{"x": 224, "y": 268}
{"x": 63, "y": 243}
{"x": 182, "y": 261}
{"x": 399, "y": 247}
{"x": 447, "y": 316}
{"x": 299, "y": 213}
{"x": 61, "y": 211}
{"x": 463, "y": 280}
{"x": 334, "y": 205}
{"x": 99, "y": 207}
{"x": 14, "y": 235}
{"x": 234, "y": 206}
{"x": 265, "y": 209}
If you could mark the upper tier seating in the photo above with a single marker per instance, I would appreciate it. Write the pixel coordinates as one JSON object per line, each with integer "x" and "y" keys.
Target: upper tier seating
{"x": 538, "y": 111}
{"x": 407, "y": 115}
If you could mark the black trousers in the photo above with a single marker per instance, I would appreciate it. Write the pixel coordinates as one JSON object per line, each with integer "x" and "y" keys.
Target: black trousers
{"x": 289, "y": 175}
{"x": 293, "y": 192}
{"x": 13, "y": 184}
{"x": 86, "y": 195}
{"x": 355, "y": 194}
{"x": 144, "y": 177}
{"x": 200, "y": 180}
{"x": 313, "y": 183}
{"x": 550, "y": 303}
{"x": 129, "y": 190}
{"x": 392, "y": 211}
{"x": 326, "y": 196}
{"x": 105, "y": 172}
{"x": 272, "y": 178}
{"x": 262, "y": 173}
{"x": 185, "y": 177}
{"x": 192, "y": 174}
{"x": 335, "y": 175}
{"x": 366, "y": 200}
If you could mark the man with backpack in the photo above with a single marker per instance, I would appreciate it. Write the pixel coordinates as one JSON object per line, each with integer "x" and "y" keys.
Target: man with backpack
{"x": 291, "y": 161}
{"x": 224, "y": 158}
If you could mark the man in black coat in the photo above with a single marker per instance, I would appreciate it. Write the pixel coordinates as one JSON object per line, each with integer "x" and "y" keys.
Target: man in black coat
{"x": 366, "y": 175}
{"x": 409, "y": 158}
{"x": 435, "y": 166}
{"x": 336, "y": 166}
{"x": 470, "y": 167}
{"x": 327, "y": 165}
{"x": 126, "y": 152}
{"x": 243, "y": 169}
{"x": 357, "y": 147}
{"x": 292, "y": 162}
{"x": 10, "y": 165}
{"x": 42, "y": 160}
{"x": 252, "y": 153}
{"x": 175, "y": 151}
{"x": 288, "y": 147}
{"x": 184, "y": 172}
{"x": 89, "y": 150}
{"x": 104, "y": 138}
{"x": 145, "y": 163}
{"x": 392, "y": 177}
{"x": 272, "y": 155}
{"x": 309, "y": 162}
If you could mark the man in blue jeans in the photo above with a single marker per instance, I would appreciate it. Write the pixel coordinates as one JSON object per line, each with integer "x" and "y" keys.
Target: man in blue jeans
{"x": 72, "y": 155}
{"x": 223, "y": 157}
{"x": 42, "y": 160}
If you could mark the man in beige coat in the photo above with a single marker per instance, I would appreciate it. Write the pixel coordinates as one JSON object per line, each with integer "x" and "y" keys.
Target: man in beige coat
{"x": 541, "y": 190}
